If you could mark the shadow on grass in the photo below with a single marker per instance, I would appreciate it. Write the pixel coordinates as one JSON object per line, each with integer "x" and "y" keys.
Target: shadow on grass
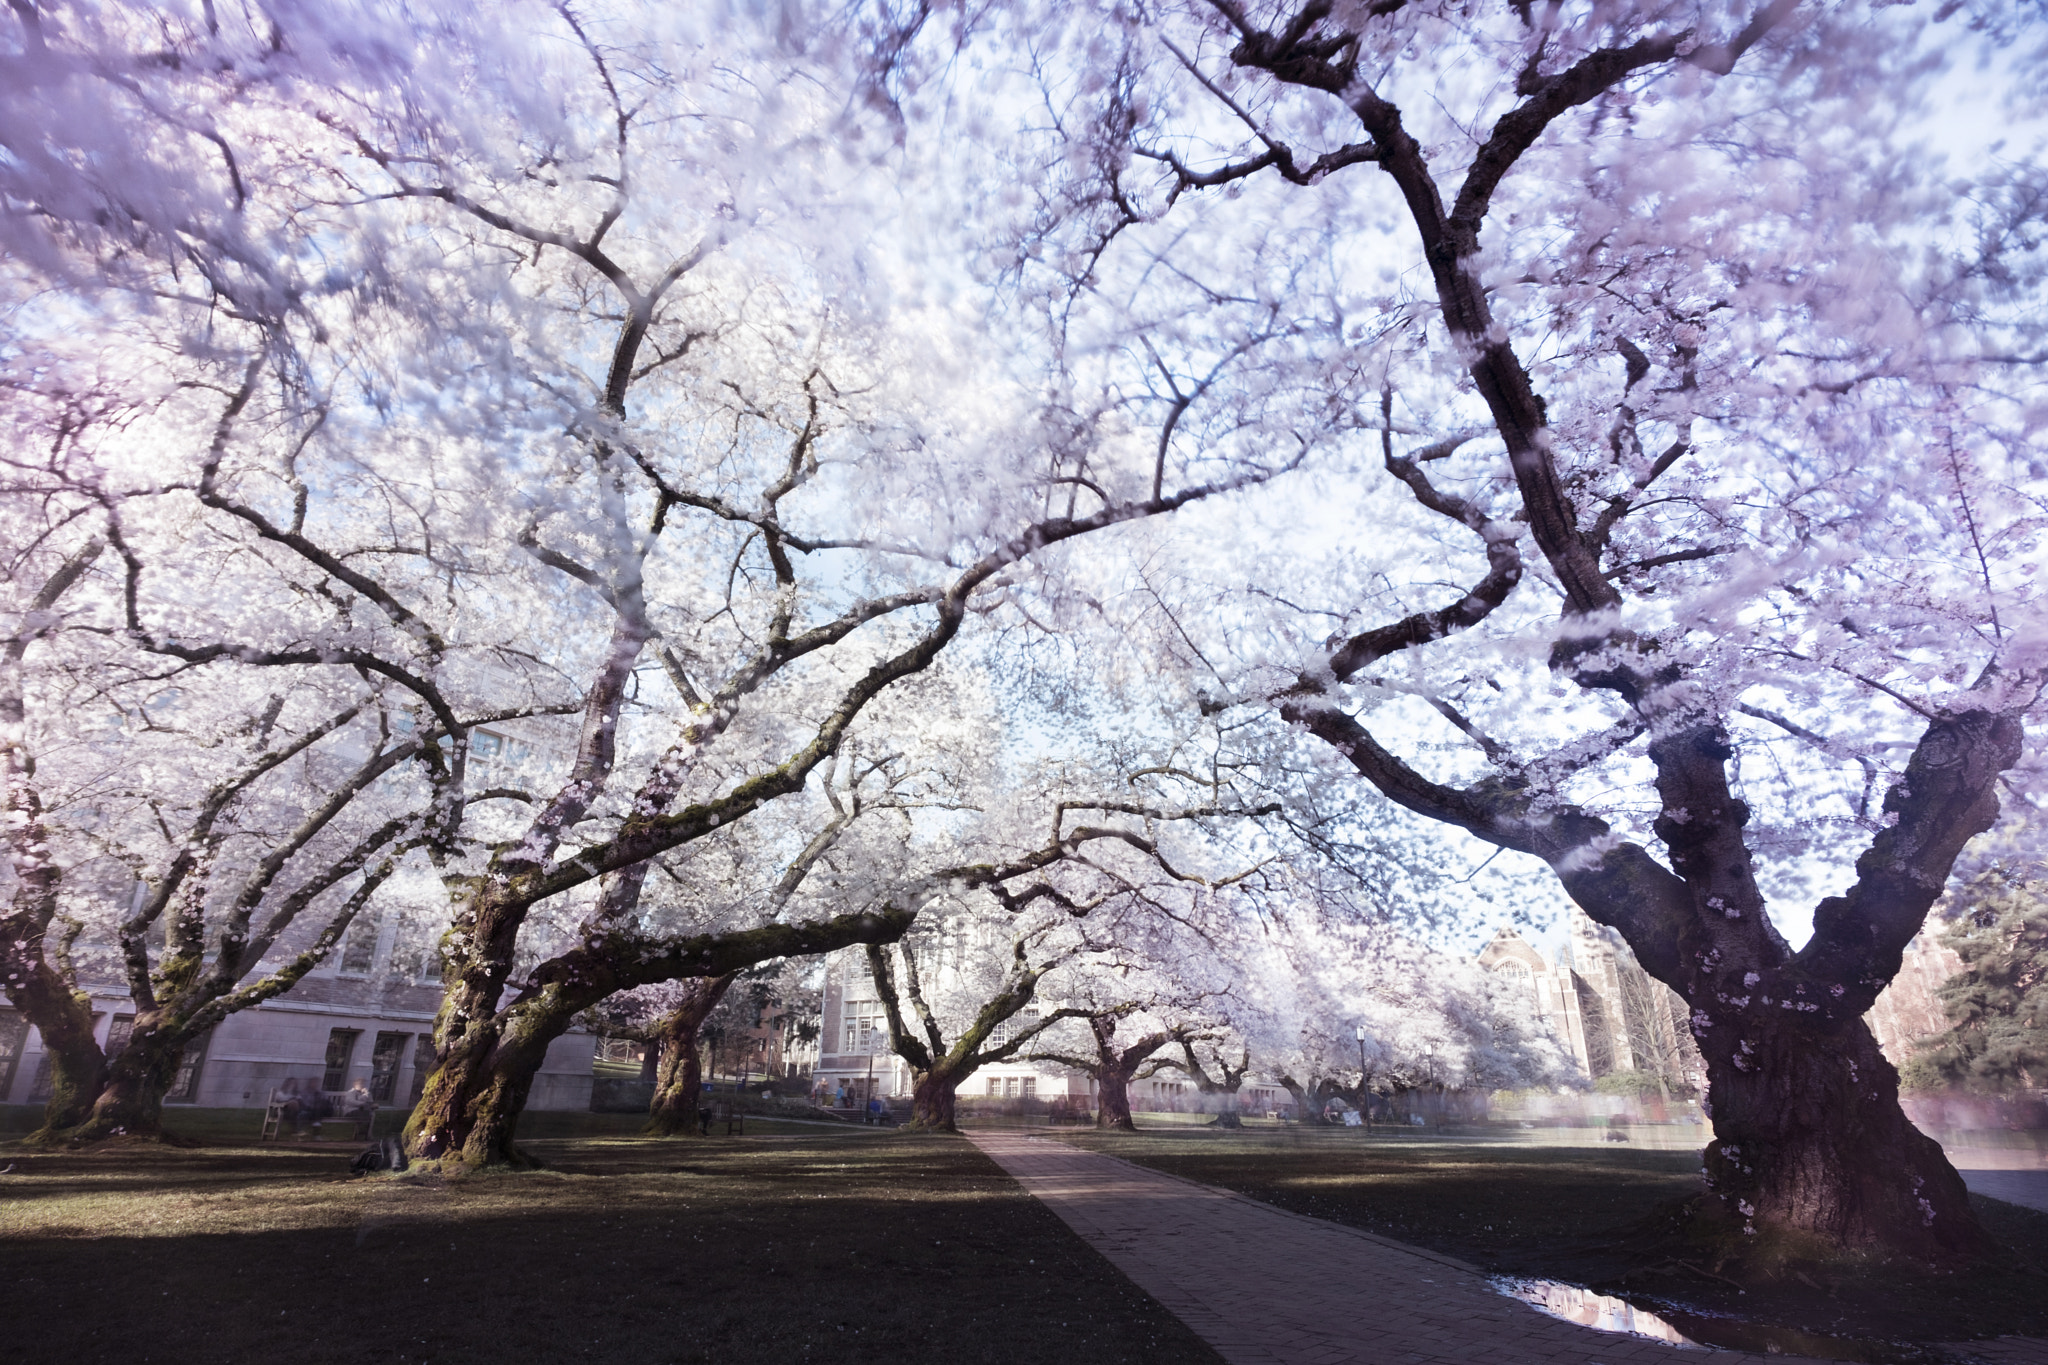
{"x": 1591, "y": 1216}
{"x": 629, "y": 1250}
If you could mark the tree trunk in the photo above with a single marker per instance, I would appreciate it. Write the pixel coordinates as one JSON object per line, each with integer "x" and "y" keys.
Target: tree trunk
{"x": 932, "y": 1097}
{"x": 1227, "y": 1116}
{"x": 678, "y": 1091}
{"x": 78, "y": 1068}
{"x": 1812, "y": 1153}
{"x": 1113, "y": 1100}
{"x": 131, "y": 1103}
{"x": 469, "y": 1109}
{"x": 678, "y": 1094}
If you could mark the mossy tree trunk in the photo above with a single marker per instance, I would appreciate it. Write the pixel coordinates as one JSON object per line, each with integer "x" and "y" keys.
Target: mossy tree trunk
{"x": 63, "y": 1017}
{"x": 131, "y": 1103}
{"x": 471, "y": 1102}
{"x": 35, "y": 968}
{"x": 678, "y": 1089}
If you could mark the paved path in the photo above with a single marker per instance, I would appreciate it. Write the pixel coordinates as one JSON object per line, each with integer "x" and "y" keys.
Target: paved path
{"x": 1267, "y": 1287}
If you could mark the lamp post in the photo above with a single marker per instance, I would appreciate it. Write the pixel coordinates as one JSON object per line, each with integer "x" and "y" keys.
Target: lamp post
{"x": 867, "y": 1112}
{"x": 1364, "y": 1104}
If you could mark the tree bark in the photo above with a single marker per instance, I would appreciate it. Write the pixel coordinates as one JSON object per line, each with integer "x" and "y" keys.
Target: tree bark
{"x": 469, "y": 1109}
{"x": 1113, "y": 1100}
{"x": 131, "y": 1103}
{"x": 470, "y": 1105}
{"x": 64, "y": 1019}
{"x": 678, "y": 1090}
{"x": 1812, "y": 1154}
{"x": 932, "y": 1098}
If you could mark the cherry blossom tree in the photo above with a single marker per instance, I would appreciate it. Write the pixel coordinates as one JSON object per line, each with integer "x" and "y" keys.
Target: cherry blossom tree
{"x": 1432, "y": 1021}
{"x": 1133, "y": 999}
{"x": 1687, "y": 533}
{"x": 605, "y": 411}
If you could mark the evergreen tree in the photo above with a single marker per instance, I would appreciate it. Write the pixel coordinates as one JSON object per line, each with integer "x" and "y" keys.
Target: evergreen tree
{"x": 1998, "y": 1004}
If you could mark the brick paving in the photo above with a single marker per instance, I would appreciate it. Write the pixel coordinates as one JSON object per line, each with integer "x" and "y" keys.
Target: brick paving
{"x": 1265, "y": 1286}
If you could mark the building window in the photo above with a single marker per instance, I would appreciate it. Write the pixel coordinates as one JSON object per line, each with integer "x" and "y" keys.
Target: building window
{"x": 341, "y": 1045}
{"x": 118, "y": 1034}
{"x": 1030, "y": 1087}
{"x": 13, "y": 1034}
{"x": 185, "y": 1085}
{"x": 413, "y": 955}
{"x": 359, "y": 949}
{"x": 384, "y": 1059}
{"x": 995, "y": 1088}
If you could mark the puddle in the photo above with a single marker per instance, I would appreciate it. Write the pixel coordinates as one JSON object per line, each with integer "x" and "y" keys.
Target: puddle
{"x": 1601, "y": 1312}
{"x": 1709, "y": 1331}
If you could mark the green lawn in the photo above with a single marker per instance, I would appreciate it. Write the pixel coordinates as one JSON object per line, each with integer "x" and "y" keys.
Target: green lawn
{"x": 790, "y": 1244}
{"x": 1597, "y": 1215}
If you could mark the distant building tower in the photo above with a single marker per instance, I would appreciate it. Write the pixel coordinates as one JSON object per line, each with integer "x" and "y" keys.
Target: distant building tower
{"x": 1602, "y": 1006}
{"x": 1910, "y": 1009}
{"x": 1553, "y": 993}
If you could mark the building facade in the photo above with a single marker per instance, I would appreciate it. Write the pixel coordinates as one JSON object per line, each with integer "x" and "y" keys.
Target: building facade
{"x": 1607, "y": 1013}
{"x": 366, "y": 1014}
{"x": 1613, "y": 1017}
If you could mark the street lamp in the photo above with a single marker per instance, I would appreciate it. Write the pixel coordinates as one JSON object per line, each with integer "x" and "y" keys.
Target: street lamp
{"x": 1364, "y": 1104}
{"x": 868, "y": 1092}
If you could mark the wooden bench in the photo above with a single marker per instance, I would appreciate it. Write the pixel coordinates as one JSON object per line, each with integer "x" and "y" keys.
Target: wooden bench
{"x": 721, "y": 1111}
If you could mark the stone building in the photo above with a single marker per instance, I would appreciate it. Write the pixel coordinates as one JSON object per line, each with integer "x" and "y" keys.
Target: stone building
{"x": 1601, "y": 1006}
{"x": 1910, "y": 1007}
{"x": 1612, "y": 1016}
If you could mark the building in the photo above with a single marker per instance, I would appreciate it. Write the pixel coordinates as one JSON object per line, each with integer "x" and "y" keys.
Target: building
{"x": 1609, "y": 1014}
{"x": 1909, "y": 1009}
{"x": 1607, "y": 1011}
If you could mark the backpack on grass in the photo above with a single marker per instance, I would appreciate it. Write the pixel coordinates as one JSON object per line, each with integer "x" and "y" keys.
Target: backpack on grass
{"x": 386, "y": 1154}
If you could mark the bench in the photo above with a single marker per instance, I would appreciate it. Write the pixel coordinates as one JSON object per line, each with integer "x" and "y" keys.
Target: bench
{"x": 721, "y": 1111}
{"x": 360, "y": 1121}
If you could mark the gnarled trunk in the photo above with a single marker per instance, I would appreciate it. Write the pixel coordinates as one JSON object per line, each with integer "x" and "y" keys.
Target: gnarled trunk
{"x": 78, "y": 1068}
{"x": 1113, "y": 1099}
{"x": 131, "y": 1102}
{"x": 470, "y": 1106}
{"x": 678, "y": 1091}
{"x": 932, "y": 1099}
{"x": 679, "y": 1082}
{"x": 1812, "y": 1153}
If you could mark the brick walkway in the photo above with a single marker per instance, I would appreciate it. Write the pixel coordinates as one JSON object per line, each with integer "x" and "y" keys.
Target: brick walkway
{"x": 1268, "y": 1287}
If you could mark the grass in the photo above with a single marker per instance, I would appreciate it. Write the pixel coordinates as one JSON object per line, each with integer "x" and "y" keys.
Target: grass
{"x": 1580, "y": 1214}
{"x": 787, "y": 1245}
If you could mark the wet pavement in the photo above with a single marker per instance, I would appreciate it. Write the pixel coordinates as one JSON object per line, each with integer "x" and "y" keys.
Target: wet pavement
{"x": 1264, "y": 1286}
